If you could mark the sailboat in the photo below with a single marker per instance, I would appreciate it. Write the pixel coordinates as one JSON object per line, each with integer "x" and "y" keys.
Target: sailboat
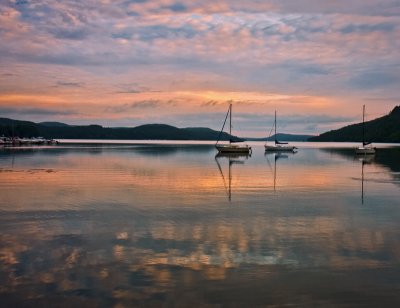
{"x": 366, "y": 147}
{"x": 231, "y": 148}
{"x": 278, "y": 145}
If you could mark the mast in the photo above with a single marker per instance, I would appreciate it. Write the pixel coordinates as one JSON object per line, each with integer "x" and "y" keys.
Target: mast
{"x": 223, "y": 125}
{"x": 13, "y": 132}
{"x": 275, "y": 158}
{"x": 230, "y": 123}
{"x": 275, "y": 127}
{"x": 230, "y": 180}
{"x": 363, "y": 129}
{"x": 362, "y": 182}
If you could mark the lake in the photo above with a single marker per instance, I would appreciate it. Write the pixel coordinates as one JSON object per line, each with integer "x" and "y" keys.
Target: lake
{"x": 172, "y": 224}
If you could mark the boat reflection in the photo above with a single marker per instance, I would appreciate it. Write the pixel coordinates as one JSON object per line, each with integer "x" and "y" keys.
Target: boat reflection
{"x": 365, "y": 160}
{"x": 133, "y": 228}
{"x": 276, "y": 157}
{"x": 385, "y": 163}
{"x": 233, "y": 158}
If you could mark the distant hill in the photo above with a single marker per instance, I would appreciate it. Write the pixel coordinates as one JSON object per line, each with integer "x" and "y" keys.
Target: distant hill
{"x": 383, "y": 129}
{"x": 204, "y": 133}
{"x": 283, "y": 137}
{"x": 57, "y": 130}
{"x": 54, "y": 124}
{"x": 10, "y": 127}
{"x": 7, "y": 121}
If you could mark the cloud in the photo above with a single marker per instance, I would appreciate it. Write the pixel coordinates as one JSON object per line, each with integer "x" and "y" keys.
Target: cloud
{"x": 154, "y": 32}
{"x": 211, "y": 103}
{"x": 367, "y": 28}
{"x": 375, "y": 79}
{"x": 144, "y": 104}
{"x": 36, "y": 111}
{"x": 315, "y": 54}
{"x": 384, "y": 99}
{"x": 70, "y": 84}
{"x": 177, "y": 7}
{"x": 368, "y": 7}
{"x": 239, "y": 36}
{"x": 70, "y": 34}
{"x": 134, "y": 88}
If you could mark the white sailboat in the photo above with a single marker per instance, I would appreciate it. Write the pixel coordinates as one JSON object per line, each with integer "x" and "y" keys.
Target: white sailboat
{"x": 279, "y": 146}
{"x": 231, "y": 148}
{"x": 366, "y": 147}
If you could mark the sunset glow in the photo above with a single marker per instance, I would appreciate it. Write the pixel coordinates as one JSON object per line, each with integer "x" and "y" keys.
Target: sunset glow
{"x": 127, "y": 63}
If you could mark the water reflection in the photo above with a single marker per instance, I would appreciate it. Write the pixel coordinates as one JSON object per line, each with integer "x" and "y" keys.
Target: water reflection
{"x": 383, "y": 167}
{"x": 366, "y": 159}
{"x": 123, "y": 228}
{"x": 233, "y": 158}
{"x": 276, "y": 157}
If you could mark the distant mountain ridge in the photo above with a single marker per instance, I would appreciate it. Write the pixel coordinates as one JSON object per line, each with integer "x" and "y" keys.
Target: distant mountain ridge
{"x": 383, "y": 129}
{"x": 283, "y": 137}
{"x": 58, "y": 130}
{"x": 54, "y": 124}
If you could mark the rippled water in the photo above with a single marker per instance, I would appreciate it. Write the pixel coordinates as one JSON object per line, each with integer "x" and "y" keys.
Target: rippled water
{"x": 173, "y": 225}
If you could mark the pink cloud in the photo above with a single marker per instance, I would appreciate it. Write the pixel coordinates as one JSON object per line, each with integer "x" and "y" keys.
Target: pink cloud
{"x": 312, "y": 53}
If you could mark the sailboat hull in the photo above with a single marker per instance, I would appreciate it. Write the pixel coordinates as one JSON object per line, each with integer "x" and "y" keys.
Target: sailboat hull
{"x": 229, "y": 148}
{"x": 365, "y": 150}
{"x": 280, "y": 148}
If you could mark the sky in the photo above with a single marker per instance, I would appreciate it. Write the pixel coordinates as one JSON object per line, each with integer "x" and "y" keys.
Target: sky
{"x": 132, "y": 62}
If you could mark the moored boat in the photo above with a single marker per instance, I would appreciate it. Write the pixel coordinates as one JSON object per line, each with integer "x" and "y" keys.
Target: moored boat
{"x": 231, "y": 148}
{"x": 366, "y": 148}
{"x": 16, "y": 141}
{"x": 279, "y": 146}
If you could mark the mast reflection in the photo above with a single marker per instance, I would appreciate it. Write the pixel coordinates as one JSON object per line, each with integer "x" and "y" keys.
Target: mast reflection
{"x": 233, "y": 158}
{"x": 365, "y": 160}
{"x": 277, "y": 156}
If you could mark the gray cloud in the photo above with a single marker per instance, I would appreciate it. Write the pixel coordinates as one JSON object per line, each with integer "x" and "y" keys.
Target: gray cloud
{"x": 153, "y": 32}
{"x": 36, "y": 111}
{"x": 373, "y": 80}
{"x": 143, "y": 104}
{"x": 366, "y": 28}
{"x": 133, "y": 88}
{"x": 70, "y": 84}
{"x": 210, "y": 103}
{"x": 367, "y": 7}
{"x": 70, "y": 34}
{"x": 384, "y": 99}
{"x": 303, "y": 68}
{"x": 177, "y": 7}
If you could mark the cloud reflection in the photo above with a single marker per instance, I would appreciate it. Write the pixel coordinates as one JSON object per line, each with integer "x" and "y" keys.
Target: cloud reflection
{"x": 136, "y": 225}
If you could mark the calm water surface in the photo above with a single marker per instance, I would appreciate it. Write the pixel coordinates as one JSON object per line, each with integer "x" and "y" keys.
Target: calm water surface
{"x": 174, "y": 225}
